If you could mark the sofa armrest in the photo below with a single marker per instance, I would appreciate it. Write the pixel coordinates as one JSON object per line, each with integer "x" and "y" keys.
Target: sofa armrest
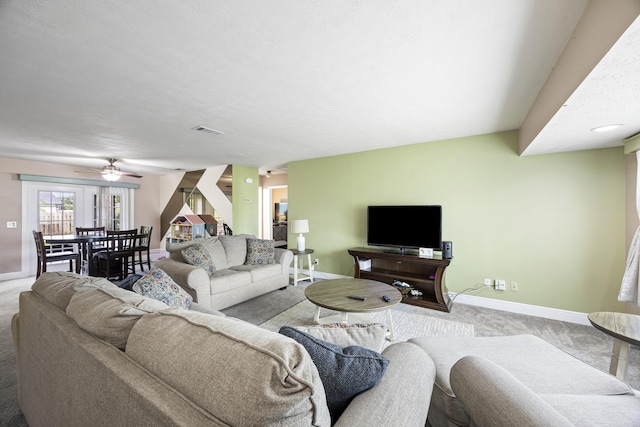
{"x": 494, "y": 397}
{"x": 193, "y": 279}
{"x": 402, "y": 396}
{"x": 284, "y": 257}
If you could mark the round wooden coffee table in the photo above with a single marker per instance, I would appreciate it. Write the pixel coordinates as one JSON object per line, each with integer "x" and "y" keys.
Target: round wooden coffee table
{"x": 334, "y": 295}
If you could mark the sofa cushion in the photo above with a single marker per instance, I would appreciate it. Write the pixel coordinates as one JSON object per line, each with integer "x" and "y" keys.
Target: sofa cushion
{"x": 58, "y": 287}
{"x": 260, "y": 272}
{"x": 236, "y": 248}
{"x": 109, "y": 314}
{"x": 260, "y": 252}
{"x": 370, "y": 335}
{"x": 226, "y": 280}
{"x": 345, "y": 372}
{"x": 199, "y": 256}
{"x": 243, "y": 374}
{"x": 158, "y": 285}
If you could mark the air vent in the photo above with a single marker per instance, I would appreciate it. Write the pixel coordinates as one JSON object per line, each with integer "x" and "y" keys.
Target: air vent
{"x": 207, "y": 130}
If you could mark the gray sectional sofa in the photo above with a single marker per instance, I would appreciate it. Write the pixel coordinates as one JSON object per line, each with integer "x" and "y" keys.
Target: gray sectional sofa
{"x": 232, "y": 280}
{"x": 92, "y": 354}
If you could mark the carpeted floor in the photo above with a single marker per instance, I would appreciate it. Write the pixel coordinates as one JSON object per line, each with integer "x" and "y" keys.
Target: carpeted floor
{"x": 584, "y": 342}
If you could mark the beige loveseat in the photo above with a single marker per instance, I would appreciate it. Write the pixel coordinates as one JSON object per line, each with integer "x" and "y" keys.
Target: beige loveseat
{"x": 91, "y": 354}
{"x": 231, "y": 281}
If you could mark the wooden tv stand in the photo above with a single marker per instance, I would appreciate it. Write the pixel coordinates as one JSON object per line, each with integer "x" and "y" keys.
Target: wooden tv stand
{"x": 423, "y": 274}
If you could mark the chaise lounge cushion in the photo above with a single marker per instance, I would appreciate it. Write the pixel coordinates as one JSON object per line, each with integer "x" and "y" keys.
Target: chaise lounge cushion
{"x": 540, "y": 366}
{"x": 243, "y": 374}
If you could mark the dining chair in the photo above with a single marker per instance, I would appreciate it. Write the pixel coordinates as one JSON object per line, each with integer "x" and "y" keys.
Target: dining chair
{"x": 113, "y": 261}
{"x": 45, "y": 257}
{"x": 143, "y": 246}
{"x": 91, "y": 231}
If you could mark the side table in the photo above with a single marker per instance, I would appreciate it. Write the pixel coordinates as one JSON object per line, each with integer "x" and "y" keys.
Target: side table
{"x": 299, "y": 277}
{"x": 625, "y": 330}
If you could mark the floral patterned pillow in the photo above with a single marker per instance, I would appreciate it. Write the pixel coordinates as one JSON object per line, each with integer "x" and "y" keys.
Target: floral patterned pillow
{"x": 199, "y": 256}
{"x": 260, "y": 252}
{"x": 158, "y": 285}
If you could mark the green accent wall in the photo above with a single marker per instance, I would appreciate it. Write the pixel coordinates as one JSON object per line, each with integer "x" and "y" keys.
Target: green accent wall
{"x": 246, "y": 214}
{"x": 553, "y": 223}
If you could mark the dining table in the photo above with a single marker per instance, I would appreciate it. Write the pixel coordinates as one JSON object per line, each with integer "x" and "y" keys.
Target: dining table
{"x": 85, "y": 246}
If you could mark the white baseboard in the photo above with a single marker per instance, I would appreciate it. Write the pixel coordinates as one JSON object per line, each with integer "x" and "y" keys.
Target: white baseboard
{"x": 11, "y": 276}
{"x": 511, "y": 307}
{"x": 318, "y": 274}
{"x": 528, "y": 309}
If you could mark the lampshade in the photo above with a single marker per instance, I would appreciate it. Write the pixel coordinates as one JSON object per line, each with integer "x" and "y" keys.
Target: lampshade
{"x": 300, "y": 226}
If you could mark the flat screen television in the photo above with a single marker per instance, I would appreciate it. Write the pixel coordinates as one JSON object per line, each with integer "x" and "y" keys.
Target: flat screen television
{"x": 405, "y": 227}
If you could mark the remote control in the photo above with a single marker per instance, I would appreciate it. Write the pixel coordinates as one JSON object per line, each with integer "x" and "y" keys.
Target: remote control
{"x": 386, "y": 298}
{"x": 357, "y": 297}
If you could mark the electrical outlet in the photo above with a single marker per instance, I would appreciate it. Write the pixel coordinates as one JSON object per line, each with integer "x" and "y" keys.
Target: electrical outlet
{"x": 501, "y": 285}
{"x": 514, "y": 286}
{"x": 316, "y": 261}
{"x": 12, "y": 224}
{"x": 487, "y": 283}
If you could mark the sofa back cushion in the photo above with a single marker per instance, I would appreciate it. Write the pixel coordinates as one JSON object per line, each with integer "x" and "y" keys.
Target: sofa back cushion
{"x": 236, "y": 248}
{"x": 240, "y": 373}
{"x": 58, "y": 287}
{"x": 109, "y": 314}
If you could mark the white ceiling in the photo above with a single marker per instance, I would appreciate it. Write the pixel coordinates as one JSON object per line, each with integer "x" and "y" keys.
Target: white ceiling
{"x": 288, "y": 80}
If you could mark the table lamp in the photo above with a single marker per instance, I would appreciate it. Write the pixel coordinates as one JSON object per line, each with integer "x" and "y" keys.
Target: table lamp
{"x": 300, "y": 226}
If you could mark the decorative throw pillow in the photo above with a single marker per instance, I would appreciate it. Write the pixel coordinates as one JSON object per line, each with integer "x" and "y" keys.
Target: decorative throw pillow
{"x": 158, "y": 285}
{"x": 260, "y": 252}
{"x": 199, "y": 256}
{"x": 368, "y": 335}
{"x": 344, "y": 372}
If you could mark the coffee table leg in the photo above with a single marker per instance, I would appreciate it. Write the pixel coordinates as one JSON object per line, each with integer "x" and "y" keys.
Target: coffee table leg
{"x": 619, "y": 359}
{"x": 344, "y": 317}
{"x": 390, "y": 325}
{"x": 316, "y": 317}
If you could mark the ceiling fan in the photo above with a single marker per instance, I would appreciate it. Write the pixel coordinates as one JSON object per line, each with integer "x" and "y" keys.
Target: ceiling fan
{"x": 111, "y": 172}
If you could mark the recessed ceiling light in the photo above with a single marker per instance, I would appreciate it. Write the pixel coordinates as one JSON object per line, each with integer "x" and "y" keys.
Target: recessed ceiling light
{"x": 606, "y": 128}
{"x": 207, "y": 130}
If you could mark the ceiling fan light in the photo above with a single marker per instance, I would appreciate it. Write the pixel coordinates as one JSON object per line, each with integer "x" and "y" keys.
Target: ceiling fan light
{"x": 111, "y": 176}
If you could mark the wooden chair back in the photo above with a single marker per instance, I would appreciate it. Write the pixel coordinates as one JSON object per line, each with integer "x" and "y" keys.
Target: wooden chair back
{"x": 44, "y": 257}
{"x": 90, "y": 231}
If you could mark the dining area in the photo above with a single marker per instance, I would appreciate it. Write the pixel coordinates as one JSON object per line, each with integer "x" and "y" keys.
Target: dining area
{"x": 96, "y": 251}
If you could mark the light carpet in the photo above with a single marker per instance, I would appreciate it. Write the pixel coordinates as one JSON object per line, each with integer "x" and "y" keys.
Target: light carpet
{"x": 405, "y": 325}
{"x": 10, "y": 414}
